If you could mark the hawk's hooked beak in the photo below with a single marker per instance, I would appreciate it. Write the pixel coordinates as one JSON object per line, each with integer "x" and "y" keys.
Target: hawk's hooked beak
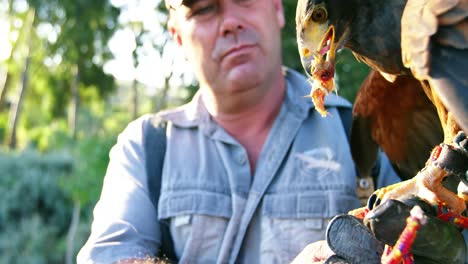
{"x": 325, "y": 51}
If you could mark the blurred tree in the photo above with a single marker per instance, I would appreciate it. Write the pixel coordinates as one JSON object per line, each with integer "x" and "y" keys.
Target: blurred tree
{"x": 76, "y": 39}
{"x": 24, "y": 53}
{"x": 16, "y": 107}
{"x": 67, "y": 61}
{"x": 11, "y": 65}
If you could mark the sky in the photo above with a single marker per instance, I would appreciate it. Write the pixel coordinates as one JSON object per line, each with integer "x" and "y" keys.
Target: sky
{"x": 5, "y": 47}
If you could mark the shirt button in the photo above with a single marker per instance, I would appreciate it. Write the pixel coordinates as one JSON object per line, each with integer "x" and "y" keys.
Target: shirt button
{"x": 242, "y": 159}
{"x": 210, "y": 129}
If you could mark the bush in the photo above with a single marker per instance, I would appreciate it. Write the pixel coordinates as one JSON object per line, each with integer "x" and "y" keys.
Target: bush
{"x": 34, "y": 211}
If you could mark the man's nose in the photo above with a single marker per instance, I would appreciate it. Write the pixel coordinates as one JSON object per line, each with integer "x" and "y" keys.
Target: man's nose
{"x": 232, "y": 21}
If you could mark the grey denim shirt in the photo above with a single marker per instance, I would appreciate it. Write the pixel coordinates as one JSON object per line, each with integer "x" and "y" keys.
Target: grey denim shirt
{"x": 218, "y": 211}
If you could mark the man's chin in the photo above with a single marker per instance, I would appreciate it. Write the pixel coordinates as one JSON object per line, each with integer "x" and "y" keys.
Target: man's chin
{"x": 244, "y": 74}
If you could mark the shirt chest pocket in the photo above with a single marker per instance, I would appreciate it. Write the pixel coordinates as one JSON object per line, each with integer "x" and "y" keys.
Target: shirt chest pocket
{"x": 296, "y": 219}
{"x": 198, "y": 220}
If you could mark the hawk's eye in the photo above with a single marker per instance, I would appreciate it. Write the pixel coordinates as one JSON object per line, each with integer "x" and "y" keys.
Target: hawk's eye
{"x": 319, "y": 15}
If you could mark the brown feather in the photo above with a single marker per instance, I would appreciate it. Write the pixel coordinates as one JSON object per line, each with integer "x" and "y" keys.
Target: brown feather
{"x": 404, "y": 122}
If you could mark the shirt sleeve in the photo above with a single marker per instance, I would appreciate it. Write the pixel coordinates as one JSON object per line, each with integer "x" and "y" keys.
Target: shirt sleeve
{"x": 125, "y": 223}
{"x": 387, "y": 175}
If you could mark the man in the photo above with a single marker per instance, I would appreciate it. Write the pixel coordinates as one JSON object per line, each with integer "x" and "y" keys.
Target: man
{"x": 252, "y": 173}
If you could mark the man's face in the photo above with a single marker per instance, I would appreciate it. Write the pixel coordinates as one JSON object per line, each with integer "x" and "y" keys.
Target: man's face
{"x": 232, "y": 44}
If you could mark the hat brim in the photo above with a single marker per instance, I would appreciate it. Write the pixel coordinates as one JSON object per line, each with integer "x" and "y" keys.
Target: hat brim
{"x": 173, "y": 3}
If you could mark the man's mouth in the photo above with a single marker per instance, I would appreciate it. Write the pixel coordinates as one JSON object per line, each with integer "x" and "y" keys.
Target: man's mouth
{"x": 234, "y": 43}
{"x": 237, "y": 50}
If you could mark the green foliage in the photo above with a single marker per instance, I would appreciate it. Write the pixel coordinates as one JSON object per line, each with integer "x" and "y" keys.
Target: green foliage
{"x": 59, "y": 97}
{"x": 3, "y": 126}
{"x": 25, "y": 242}
{"x": 80, "y": 50}
{"x": 39, "y": 190}
{"x": 96, "y": 135}
{"x": 53, "y": 136}
{"x": 91, "y": 156}
{"x": 350, "y": 74}
{"x": 289, "y": 44}
{"x": 34, "y": 210}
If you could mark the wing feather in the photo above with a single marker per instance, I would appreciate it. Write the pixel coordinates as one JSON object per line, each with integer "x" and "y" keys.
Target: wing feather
{"x": 399, "y": 118}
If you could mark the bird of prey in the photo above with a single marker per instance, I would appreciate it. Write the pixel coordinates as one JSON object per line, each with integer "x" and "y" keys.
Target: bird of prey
{"x": 426, "y": 40}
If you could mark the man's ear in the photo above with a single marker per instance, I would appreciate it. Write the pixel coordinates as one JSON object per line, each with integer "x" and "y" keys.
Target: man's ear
{"x": 171, "y": 24}
{"x": 278, "y": 4}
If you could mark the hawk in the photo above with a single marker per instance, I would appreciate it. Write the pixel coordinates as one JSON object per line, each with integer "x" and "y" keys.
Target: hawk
{"x": 424, "y": 40}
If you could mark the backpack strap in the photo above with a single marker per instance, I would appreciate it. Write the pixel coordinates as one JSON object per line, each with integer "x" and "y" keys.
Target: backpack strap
{"x": 346, "y": 116}
{"x": 365, "y": 186}
{"x": 154, "y": 143}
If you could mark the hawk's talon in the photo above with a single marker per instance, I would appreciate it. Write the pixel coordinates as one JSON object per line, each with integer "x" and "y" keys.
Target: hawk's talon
{"x": 427, "y": 185}
{"x": 373, "y": 201}
{"x": 378, "y": 196}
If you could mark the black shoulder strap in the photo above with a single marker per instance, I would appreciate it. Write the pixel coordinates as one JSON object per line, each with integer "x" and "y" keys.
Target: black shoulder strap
{"x": 154, "y": 140}
{"x": 346, "y": 116}
{"x": 364, "y": 186}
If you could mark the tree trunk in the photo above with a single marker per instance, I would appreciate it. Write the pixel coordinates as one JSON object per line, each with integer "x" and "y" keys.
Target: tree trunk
{"x": 74, "y": 103}
{"x": 15, "y": 109}
{"x": 7, "y": 84}
{"x": 4, "y": 90}
{"x": 134, "y": 104}
{"x": 162, "y": 101}
{"x": 72, "y": 233}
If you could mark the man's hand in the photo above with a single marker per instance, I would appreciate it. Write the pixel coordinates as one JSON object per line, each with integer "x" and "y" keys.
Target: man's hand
{"x": 316, "y": 252}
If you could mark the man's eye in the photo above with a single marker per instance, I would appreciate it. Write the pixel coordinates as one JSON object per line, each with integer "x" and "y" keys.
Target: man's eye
{"x": 245, "y": 2}
{"x": 203, "y": 10}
